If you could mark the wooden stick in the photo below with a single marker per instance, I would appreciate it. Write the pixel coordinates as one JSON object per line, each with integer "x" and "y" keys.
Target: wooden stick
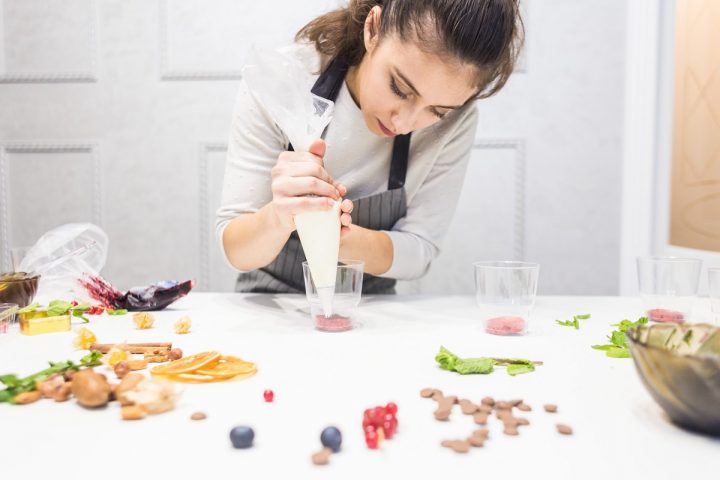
{"x": 155, "y": 348}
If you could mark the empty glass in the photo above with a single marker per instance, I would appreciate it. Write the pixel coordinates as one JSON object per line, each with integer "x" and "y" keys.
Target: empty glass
{"x": 505, "y": 293}
{"x": 8, "y": 315}
{"x": 348, "y": 291}
{"x": 16, "y": 255}
{"x": 668, "y": 287}
{"x": 714, "y": 291}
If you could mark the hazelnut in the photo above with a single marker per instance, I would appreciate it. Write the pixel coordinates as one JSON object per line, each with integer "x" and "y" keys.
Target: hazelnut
{"x": 121, "y": 369}
{"x": 90, "y": 388}
{"x": 175, "y": 354}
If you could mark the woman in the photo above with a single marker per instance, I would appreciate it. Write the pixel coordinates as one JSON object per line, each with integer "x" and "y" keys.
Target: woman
{"x": 404, "y": 75}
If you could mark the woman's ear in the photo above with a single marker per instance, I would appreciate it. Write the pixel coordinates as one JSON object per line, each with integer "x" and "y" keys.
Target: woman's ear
{"x": 372, "y": 28}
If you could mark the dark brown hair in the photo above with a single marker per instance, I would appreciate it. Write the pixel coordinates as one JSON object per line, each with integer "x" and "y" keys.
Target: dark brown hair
{"x": 485, "y": 33}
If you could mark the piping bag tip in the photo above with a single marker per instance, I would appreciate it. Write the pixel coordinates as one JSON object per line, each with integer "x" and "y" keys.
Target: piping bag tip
{"x": 326, "y": 299}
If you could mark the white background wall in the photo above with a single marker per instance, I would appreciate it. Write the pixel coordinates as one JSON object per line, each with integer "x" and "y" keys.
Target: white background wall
{"x": 117, "y": 112}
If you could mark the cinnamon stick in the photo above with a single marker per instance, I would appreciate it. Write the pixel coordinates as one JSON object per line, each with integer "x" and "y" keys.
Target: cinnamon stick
{"x": 153, "y": 348}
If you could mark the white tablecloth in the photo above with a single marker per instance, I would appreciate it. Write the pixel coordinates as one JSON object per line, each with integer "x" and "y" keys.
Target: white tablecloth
{"x": 322, "y": 379}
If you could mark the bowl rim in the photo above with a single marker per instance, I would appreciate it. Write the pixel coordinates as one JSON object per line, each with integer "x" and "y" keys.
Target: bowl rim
{"x": 629, "y": 338}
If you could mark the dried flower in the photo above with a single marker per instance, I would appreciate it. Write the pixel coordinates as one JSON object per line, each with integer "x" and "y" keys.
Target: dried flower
{"x": 116, "y": 355}
{"x": 84, "y": 339}
{"x": 183, "y": 325}
{"x": 143, "y": 320}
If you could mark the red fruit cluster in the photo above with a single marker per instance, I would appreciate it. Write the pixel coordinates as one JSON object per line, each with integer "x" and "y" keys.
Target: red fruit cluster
{"x": 379, "y": 423}
{"x": 95, "y": 310}
{"x": 268, "y": 395}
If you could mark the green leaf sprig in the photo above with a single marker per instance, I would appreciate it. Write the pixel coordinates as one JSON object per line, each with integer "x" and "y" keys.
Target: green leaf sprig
{"x": 119, "y": 311}
{"x": 575, "y": 322}
{"x": 618, "y": 347}
{"x": 15, "y": 386}
{"x": 482, "y": 365}
{"x": 60, "y": 307}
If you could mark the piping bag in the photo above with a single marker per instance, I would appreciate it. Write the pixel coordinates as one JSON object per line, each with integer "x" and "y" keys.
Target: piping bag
{"x": 282, "y": 85}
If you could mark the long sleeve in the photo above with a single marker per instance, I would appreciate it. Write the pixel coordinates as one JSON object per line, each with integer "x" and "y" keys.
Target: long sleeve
{"x": 417, "y": 237}
{"x": 253, "y": 148}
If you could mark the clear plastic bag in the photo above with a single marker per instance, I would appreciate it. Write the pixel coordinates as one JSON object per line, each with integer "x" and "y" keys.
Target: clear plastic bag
{"x": 63, "y": 255}
{"x": 282, "y": 85}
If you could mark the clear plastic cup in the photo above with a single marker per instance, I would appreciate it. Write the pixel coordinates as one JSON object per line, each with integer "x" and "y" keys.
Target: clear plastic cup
{"x": 714, "y": 292}
{"x": 346, "y": 298}
{"x": 8, "y": 316}
{"x": 668, "y": 287}
{"x": 505, "y": 293}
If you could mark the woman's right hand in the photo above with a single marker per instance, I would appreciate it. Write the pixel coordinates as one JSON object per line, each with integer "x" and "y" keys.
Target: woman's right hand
{"x": 300, "y": 184}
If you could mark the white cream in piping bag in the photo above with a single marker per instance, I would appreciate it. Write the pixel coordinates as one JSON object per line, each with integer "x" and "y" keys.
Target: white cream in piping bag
{"x": 320, "y": 237}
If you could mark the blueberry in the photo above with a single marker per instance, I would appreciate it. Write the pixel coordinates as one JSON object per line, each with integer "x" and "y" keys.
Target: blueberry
{"x": 331, "y": 438}
{"x": 242, "y": 437}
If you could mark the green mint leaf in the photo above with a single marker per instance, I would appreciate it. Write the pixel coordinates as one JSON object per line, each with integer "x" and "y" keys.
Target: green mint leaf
{"x": 617, "y": 338}
{"x": 584, "y": 316}
{"x": 58, "y": 307}
{"x": 446, "y": 359}
{"x": 618, "y": 352}
{"x": 30, "y": 308}
{"x": 517, "y": 369}
{"x": 603, "y": 347}
{"x": 119, "y": 311}
{"x": 482, "y": 365}
{"x": 9, "y": 380}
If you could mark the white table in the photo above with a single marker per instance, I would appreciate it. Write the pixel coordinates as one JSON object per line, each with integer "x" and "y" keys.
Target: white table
{"x": 322, "y": 379}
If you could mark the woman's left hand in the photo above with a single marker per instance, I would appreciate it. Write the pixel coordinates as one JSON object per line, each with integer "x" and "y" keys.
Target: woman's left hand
{"x": 346, "y": 208}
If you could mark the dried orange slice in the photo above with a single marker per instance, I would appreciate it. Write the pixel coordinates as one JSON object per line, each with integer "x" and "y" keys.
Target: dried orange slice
{"x": 198, "y": 378}
{"x": 227, "y": 367}
{"x": 187, "y": 364}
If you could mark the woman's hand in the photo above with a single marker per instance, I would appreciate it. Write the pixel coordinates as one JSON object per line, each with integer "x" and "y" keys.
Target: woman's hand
{"x": 300, "y": 184}
{"x": 346, "y": 208}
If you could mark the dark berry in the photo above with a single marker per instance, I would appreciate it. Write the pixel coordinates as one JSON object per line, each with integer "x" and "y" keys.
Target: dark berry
{"x": 242, "y": 437}
{"x": 331, "y": 438}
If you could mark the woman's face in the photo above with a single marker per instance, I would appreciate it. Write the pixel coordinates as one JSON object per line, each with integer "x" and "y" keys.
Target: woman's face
{"x": 400, "y": 88}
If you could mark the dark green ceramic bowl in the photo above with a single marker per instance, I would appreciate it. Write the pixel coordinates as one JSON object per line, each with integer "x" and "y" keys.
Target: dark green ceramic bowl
{"x": 680, "y": 367}
{"x": 18, "y": 287}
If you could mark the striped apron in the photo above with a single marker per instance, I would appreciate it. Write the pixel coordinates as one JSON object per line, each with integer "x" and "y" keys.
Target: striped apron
{"x": 376, "y": 212}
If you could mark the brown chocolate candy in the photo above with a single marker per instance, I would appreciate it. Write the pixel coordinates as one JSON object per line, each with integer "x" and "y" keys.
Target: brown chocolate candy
{"x": 564, "y": 429}
{"x": 512, "y": 431}
{"x": 476, "y": 441}
{"x": 461, "y": 446}
{"x": 427, "y": 392}
{"x": 322, "y": 457}
{"x": 522, "y": 421}
{"x": 198, "y": 416}
{"x": 481, "y": 432}
{"x": 442, "y": 414}
{"x": 485, "y": 408}
{"x": 480, "y": 418}
{"x": 550, "y": 408}
{"x": 524, "y": 407}
{"x": 489, "y": 401}
{"x": 503, "y": 405}
{"x": 467, "y": 407}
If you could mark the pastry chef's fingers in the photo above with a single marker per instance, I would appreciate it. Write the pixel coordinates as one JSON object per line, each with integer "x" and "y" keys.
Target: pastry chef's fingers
{"x": 300, "y": 186}
{"x": 347, "y": 206}
{"x": 301, "y": 169}
{"x": 341, "y": 188}
{"x": 289, "y": 206}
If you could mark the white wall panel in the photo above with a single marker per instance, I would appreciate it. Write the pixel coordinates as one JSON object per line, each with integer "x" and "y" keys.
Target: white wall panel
{"x": 47, "y": 41}
{"x": 215, "y": 274}
{"x": 44, "y": 186}
{"x": 489, "y": 223}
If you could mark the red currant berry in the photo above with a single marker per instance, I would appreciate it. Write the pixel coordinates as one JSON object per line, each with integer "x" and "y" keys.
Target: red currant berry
{"x": 371, "y": 440}
{"x": 387, "y": 428}
{"x": 74, "y": 303}
{"x": 268, "y": 395}
{"x": 391, "y": 408}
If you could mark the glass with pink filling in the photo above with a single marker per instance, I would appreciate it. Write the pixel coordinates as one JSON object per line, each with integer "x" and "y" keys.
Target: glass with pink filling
{"x": 345, "y": 301}
{"x": 505, "y": 292}
{"x": 668, "y": 287}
